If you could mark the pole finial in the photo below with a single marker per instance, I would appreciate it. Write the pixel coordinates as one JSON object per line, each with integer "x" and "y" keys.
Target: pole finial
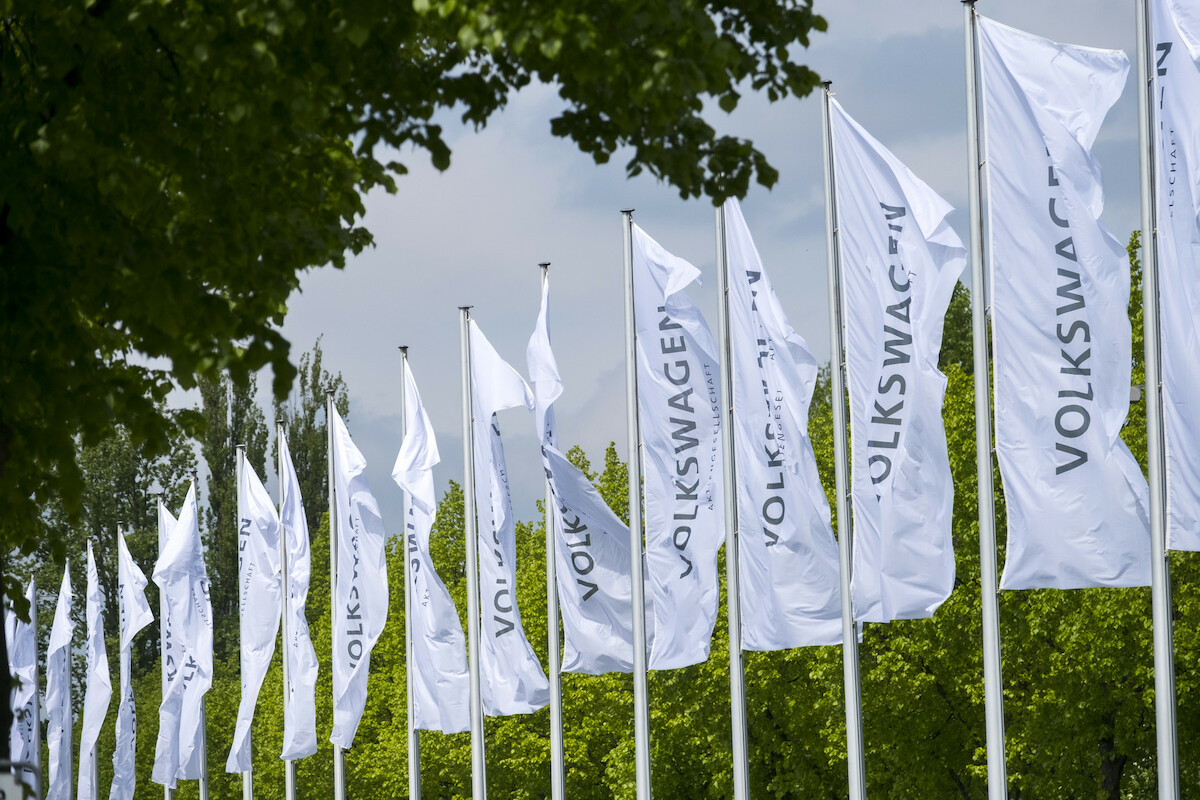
{"x": 404, "y": 350}
{"x": 627, "y": 210}
{"x": 543, "y": 264}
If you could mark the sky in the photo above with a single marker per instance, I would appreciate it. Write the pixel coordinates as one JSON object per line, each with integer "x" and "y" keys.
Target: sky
{"x": 515, "y": 196}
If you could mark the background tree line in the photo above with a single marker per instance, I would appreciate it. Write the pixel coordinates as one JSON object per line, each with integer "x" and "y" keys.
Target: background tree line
{"x": 1077, "y": 665}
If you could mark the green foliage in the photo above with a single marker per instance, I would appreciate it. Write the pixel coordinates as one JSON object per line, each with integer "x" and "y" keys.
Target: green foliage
{"x": 171, "y": 169}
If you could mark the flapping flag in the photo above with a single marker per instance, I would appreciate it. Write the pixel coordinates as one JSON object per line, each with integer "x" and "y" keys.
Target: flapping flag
{"x": 1175, "y": 30}
{"x": 362, "y": 588}
{"x": 181, "y": 576}
{"x": 300, "y": 706}
{"x": 787, "y": 557}
{"x": 25, "y": 737}
{"x": 592, "y": 544}
{"x": 97, "y": 692}
{"x": 512, "y": 678}
{"x": 58, "y": 695}
{"x": 1077, "y": 501}
{"x": 259, "y": 600}
{"x": 135, "y": 615}
{"x": 900, "y": 262}
{"x": 440, "y": 683}
{"x": 680, "y": 420}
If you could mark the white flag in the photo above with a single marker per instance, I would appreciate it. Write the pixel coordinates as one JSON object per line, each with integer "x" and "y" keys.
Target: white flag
{"x": 680, "y": 419}
{"x": 182, "y": 578}
{"x": 300, "y": 706}
{"x": 97, "y": 692}
{"x": 900, "y": 262}
{"x": 440, "y": 682}
{"x": 790, "y": 587}
{"x": 25, "y": 736}
{"x": 58, "y": 695}
{"x": 591, "y": 552}
{"x": 362, "y": 587}
{"x": 135, "y": 615}
{"x": 1077, "y": 501}
{"x": 1175, "y": 27}
{"x": 260, "y": 597}
{"x": 512, "y": 678}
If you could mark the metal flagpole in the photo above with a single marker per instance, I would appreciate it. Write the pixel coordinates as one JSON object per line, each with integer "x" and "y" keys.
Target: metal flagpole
{"x": 1160, "y": 565}
{"x": 285, "y": 568}
{"x": 733, "y": 606}
{"x": 855, "y": 751}
{"x": 96, "y": 747}
{"x": 339, "y": 756}
{"x": 168, "y": 792}
{"x": 993, "y": 682}
{"x": 478, "y": 763}
{"x": 414, "y": 735}
{"x": 203, "y": 725}
{"x": 641, "y": 691}
{"x": 248, "y": 775}
{"x": 557, "y": 756}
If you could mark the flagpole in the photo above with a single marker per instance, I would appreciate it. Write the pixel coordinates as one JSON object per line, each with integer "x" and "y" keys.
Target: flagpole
{"x": 414, "y": 735}
{"x": 203, "y": 723}
{"x": 1160, "y": 565}
{"x": 557, "y": 757}
{"x": 289, "y": 765}
{"x": 641, "y": 691}
{"x": 168, "y": 792}
{"x": 96, "y": 747}
{"x": 993, "y": 681}
{"x": 248, "y": 775}
{"x": 855, "y": 751}
{"x": 733, "y": 606}
{"x": 478, "y": 763}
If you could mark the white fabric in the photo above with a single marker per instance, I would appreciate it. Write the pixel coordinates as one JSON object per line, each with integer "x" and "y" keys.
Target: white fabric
{"x": 135, "y": 615}
{"x": 300, "y": 704}
{"x": 260, "y": 595}
{"x": 440, "y": 682}
{"x": 97, "y": 693}
{"x": 680, "y": 421}
{"x": 362, "y": 586}
{"x": 511, "y": 676}
{"x": 1076, "y": 499}
{"x": 790, "y": 588}
{"x": 591, "y": 552}
{"x": 25, "y": 736}
{"x": 58, "y": 695}
{"x": 1175, "y": 28}
{"x": 900, "y": 262}
{"x": 181, "y": 576}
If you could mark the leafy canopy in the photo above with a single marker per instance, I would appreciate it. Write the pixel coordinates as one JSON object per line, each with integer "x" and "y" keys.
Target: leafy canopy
{"x": 171, "y": 168}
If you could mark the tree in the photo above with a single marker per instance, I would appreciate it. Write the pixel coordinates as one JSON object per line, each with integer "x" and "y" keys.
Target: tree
{"x": 172, "y": 169}
{"x": 303, "y": 418}
{"x": 231, "y": 418}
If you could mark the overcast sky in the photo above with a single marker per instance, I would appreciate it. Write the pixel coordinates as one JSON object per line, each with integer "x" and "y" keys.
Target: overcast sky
{"x": 515, "y": 196}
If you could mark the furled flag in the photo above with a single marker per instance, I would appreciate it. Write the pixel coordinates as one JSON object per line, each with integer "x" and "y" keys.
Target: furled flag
{"x": 440, "y": 681}
{"x": 1077, "y": 501}
{"x": 58, "y": 695}
{"x": 591, "y": 552}
{"x": 362, "y": 587}
{"x": 512, "y": 678}
{"x": 97, "y": 692}
{"x": 181, "y": 576}
{"x": 680, "y": 419}
{"x": 300, "y": 706}
{"x": 790, "y": 588}
{"x": 25, "y": 736}
{"x": 1175, "y": 30}
{"x": 260, "y": 596}
{"x": 900, "y": 262}
{"x": 135, "y": 615}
